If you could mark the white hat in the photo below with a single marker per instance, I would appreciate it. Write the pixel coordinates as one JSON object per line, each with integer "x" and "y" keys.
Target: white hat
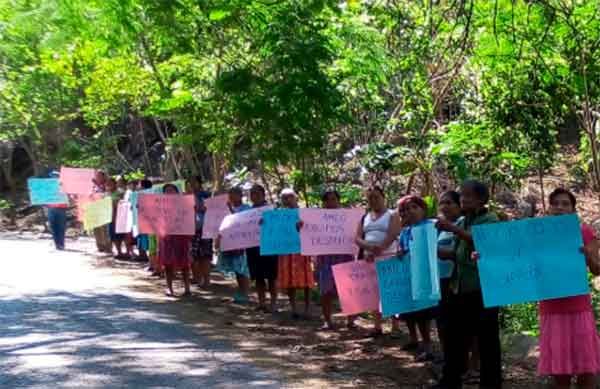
{"x": 287, "y": 192}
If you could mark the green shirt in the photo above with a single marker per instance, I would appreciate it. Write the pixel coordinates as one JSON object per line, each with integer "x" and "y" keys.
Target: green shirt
{"x": 466, "y": 278}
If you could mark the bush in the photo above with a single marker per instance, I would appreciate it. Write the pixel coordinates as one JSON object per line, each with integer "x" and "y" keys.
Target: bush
{"x": 520, "y": 319}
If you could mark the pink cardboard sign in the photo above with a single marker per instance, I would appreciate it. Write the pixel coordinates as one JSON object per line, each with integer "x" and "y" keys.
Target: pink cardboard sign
{"x": 242, "y": 230}
{"x": 216, "y": 210}
{"x": 357, "y": 287}
{"x": 329, "y": 231}
{"x": 124, "y": 220}
{"x": 166, "y": 214}
{"x": 77, "y": 181}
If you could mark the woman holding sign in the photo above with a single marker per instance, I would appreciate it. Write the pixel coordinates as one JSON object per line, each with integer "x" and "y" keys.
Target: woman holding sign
{"x": 294, "y": 270}
{"x": 377, "y": 225}
{"x": 327, "y": 289}
{"x": 173, "y": 253}
{"x": 569, "y": 344}
{"x": 263, "y": 268}
{"x": 467, "y": 316}
{"x": 103, "y": 242}
{"x": 235, "y": 261}
{"x": 413, "y": 211}
{"x": 57, "y": 219}
{"x": 201, "y": 248}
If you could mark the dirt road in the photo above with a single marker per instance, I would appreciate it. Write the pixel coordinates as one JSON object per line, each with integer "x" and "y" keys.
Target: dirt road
{"x": 72, "y": 319}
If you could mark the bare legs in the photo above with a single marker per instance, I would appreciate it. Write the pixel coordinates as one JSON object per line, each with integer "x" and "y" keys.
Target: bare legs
{"x": 291, "y": 292}
{"x": 327, "y": 309}
{"x": 170, "y": 276}
{"x": 261, "y": 288}
{"x": 201, "y": 272}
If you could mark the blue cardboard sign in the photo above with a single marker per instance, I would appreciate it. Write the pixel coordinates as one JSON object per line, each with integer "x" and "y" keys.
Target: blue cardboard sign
{"x": 279, "y": 233}
{"x": 530, "y": 260}
{"x": 44, "y": 191}
{"x": 424, "y": 270}
{"x": 395, "y": 287}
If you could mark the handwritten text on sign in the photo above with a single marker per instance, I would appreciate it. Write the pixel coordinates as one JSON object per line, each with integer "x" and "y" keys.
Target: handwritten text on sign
{"x": 530, "y": 260}
{"x": 242, "y": 230}
{"x": 124, "y": 220}
{"x": 395, "y": 288}
{"x": 329, "y": 231}
{"x": 46, "y": 191}
{"x": 216, "y": 210}
{"x": 97, "y": 213}
{"x": 356, "y": 283}
{"x": 77, "y": 181}
{"x": 168, "y": 214}
{"x": 279, "y": 232}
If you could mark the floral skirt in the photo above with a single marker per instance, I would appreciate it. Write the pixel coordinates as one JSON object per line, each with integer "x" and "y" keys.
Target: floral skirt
{"x": 295, "y": 271}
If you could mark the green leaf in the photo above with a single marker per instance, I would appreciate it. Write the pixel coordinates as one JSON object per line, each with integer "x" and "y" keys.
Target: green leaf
{"x": 218, "y": 14}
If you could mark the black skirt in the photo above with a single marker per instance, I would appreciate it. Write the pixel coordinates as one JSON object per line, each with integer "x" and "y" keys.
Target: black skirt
{"x": 262, "y": 267}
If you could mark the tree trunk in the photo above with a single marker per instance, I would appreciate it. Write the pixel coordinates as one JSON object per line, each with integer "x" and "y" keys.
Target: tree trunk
{"x": 7, "y": 167}
{"x": 411, "y": 182}
{"x": 542, "y": 193}
{"x": 35, "y": 164}
{"x": 147, "y": 162}
{"x": 265, "y": 182}
{"x": 591, "y": 134}
{"x": 219, "y": 167}
{"x": 163, "y": 138}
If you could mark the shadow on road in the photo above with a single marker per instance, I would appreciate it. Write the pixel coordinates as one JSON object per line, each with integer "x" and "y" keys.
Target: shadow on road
{"x": 112, "y": 340}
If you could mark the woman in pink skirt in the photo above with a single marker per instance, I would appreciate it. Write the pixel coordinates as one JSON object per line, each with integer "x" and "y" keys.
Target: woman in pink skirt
{"x": 174, "y": 254}
{"x": 569, "y": 343}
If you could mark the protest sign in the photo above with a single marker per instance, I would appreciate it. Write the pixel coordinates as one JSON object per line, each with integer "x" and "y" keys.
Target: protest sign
{"x": 43, "y": 191}
{"x": 356, "y": 284}
{"x": 81, "y": 200}
{"x": 166, "y": 214}
{"x": 279, "y": 233}
{"x": 216, "y": 210}
{"x": 76, "y": 180}
{"x": 124, "y": 220}
{"x": 97, "y": 213}
{"x": 242, "y": 230}
{"x": 329, "y": 231}
{"x": 395, "y": 287}
{"x": 424, "y": 270}
{"x": 530, "y": 260}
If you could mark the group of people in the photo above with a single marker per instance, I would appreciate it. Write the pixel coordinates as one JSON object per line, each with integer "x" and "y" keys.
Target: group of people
{"x": 467, "y": 330}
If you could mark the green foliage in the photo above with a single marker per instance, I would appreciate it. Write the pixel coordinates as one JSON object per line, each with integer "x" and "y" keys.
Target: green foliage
{"x": 5, "y": 204}
{"x": 520, "y": 319}
{"x": 135, "y": 175}
{"x": 480, "y": 88}
{"x": 482, "y": 151}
